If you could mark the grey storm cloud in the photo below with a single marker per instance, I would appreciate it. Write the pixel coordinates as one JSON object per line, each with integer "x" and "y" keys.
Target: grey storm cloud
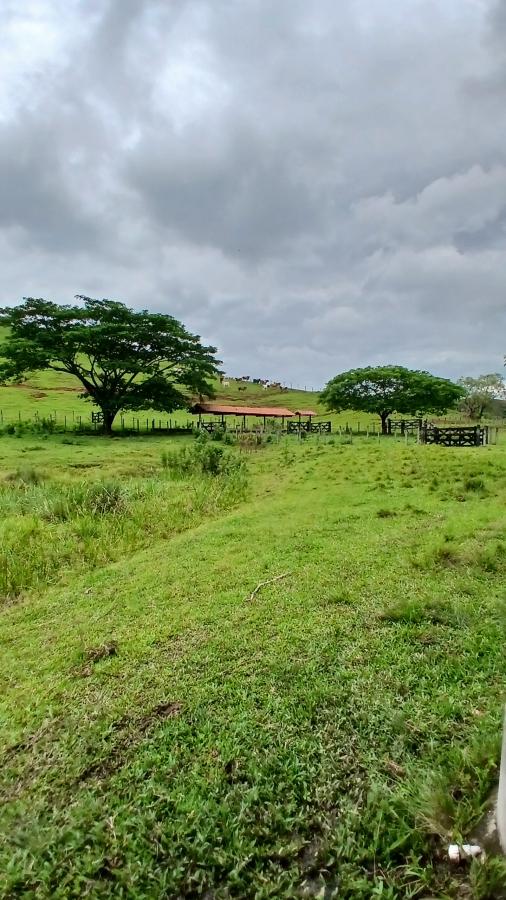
{"x": 309, "y": 186}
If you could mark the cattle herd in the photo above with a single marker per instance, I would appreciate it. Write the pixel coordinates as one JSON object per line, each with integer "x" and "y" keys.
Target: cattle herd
{"x": 245, "y": 379}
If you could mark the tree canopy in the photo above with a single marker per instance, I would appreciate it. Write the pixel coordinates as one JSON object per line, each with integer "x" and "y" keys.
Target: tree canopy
{"x": 480, "y": 394}
{"x": 124, "y": 359}
{"x": 387, "y": 389}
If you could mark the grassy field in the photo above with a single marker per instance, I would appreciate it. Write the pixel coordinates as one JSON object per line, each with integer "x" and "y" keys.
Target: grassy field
{"x": 54, "y": 395}
{"x": 166, "y": 735}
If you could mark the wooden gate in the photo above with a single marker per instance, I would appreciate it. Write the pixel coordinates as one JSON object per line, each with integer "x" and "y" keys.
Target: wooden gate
{"x": 473, "y": 436}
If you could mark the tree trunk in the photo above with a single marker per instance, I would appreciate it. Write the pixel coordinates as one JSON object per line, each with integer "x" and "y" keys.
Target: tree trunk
{"x": 108, "y": 420}
{"x": 384, "y": 421}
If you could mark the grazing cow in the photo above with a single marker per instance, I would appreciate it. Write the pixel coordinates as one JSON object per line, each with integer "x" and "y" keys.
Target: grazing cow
{"x": 244, "y": 378}
{"x": 226, "y": 383}
{"x": 257, "y": 381}
{"x": 265, "y": 386}
{"x": 243, "y": 388}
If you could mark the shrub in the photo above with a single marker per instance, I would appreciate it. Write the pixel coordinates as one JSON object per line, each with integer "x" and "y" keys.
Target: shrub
{"x": 202, "y": 457}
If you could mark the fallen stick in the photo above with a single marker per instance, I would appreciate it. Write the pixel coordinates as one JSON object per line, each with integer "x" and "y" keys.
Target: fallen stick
{"x": 263, "y": 583}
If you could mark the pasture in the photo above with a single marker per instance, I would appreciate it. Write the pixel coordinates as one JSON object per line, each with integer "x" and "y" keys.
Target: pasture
{"x": 56, "y": 396}
{"x": 166, "y": 734}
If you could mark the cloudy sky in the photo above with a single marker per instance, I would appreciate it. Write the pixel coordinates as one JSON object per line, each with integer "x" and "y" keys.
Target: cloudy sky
{"x": 309, "y": 186}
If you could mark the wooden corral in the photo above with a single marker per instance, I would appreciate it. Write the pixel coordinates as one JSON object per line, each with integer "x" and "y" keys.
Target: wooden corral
{"x": 454, "y": 436}
{"x": 309, "y": 427}
{"x": 404, "y": 426}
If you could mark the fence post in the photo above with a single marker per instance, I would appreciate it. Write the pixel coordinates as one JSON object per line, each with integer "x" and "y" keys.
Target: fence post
{"x": 501, "y": 797}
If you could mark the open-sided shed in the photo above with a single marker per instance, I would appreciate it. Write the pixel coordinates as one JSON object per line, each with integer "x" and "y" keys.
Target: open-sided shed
{"x": 259, "y": 412}
{"x": 305, "y": 413}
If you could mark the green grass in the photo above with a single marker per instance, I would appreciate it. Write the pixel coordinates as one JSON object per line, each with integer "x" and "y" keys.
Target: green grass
{"x": 166, "y": 736}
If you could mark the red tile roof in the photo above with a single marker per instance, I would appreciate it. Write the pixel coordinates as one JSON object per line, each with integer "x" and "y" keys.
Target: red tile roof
{"x": 217, "y": 409}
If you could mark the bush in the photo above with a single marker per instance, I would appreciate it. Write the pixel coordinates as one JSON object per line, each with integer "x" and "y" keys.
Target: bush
{"x": 202, "y": 457}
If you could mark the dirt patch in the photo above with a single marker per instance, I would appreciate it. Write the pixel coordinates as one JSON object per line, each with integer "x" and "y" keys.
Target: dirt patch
{"x": 94, "y": 654}
{"x": 162, "y": 711}
{"x": 92, "y": 465}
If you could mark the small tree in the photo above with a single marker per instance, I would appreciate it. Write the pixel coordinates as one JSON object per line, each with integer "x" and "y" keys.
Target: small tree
{"x": 480, "y": 394}
{"x": 387, "y": 389}
{"x": 124, "y": 359}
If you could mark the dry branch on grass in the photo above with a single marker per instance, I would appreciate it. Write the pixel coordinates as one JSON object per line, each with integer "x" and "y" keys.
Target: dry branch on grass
{"x": 263, "y": 584}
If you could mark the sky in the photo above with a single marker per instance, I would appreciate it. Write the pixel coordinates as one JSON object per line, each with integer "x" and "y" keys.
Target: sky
{"x": 310, "y": 187}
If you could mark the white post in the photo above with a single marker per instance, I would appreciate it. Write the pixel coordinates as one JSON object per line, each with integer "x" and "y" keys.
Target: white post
{"x": 501, "y": 797}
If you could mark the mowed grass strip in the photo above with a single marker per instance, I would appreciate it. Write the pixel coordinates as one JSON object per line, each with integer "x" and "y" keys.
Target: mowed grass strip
{"x": 165, "y": 736}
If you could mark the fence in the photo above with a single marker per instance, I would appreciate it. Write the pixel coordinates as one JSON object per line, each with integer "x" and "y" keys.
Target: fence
{"x": 64, "y": 423}
{"x": 309, "y": 428}
{"x": 455, "y": 436}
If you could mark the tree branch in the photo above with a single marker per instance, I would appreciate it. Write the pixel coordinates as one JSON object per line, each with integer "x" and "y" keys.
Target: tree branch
{"x": 263, "y": 584}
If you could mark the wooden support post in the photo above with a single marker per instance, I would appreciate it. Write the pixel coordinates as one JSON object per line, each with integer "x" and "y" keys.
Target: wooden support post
{"x": 501, "y": 797}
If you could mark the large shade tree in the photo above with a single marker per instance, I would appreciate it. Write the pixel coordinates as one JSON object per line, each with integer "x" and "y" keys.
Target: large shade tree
{"x": 123, "y": 358}
{"x": 387, "y": 389}
{"x": 481, "y": 394}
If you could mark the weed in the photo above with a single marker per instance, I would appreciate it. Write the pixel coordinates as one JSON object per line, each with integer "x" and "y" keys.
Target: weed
{"x": 413, "y": 611}
{"x": 475, "y": 484}
{"x": 25, "y": 476}
{"x": 202, "y": 457}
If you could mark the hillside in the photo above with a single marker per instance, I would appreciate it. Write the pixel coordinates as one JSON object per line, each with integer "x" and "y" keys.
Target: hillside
{"x": 167, "y": 732}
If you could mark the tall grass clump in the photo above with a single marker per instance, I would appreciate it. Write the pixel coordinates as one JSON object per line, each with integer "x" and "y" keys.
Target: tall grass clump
{"x": 202, "y": 457}
{"x": 48, "y": 527}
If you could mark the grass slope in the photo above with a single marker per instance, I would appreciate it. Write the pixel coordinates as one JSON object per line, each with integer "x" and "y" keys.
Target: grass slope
{"x": 165, "y": 736}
